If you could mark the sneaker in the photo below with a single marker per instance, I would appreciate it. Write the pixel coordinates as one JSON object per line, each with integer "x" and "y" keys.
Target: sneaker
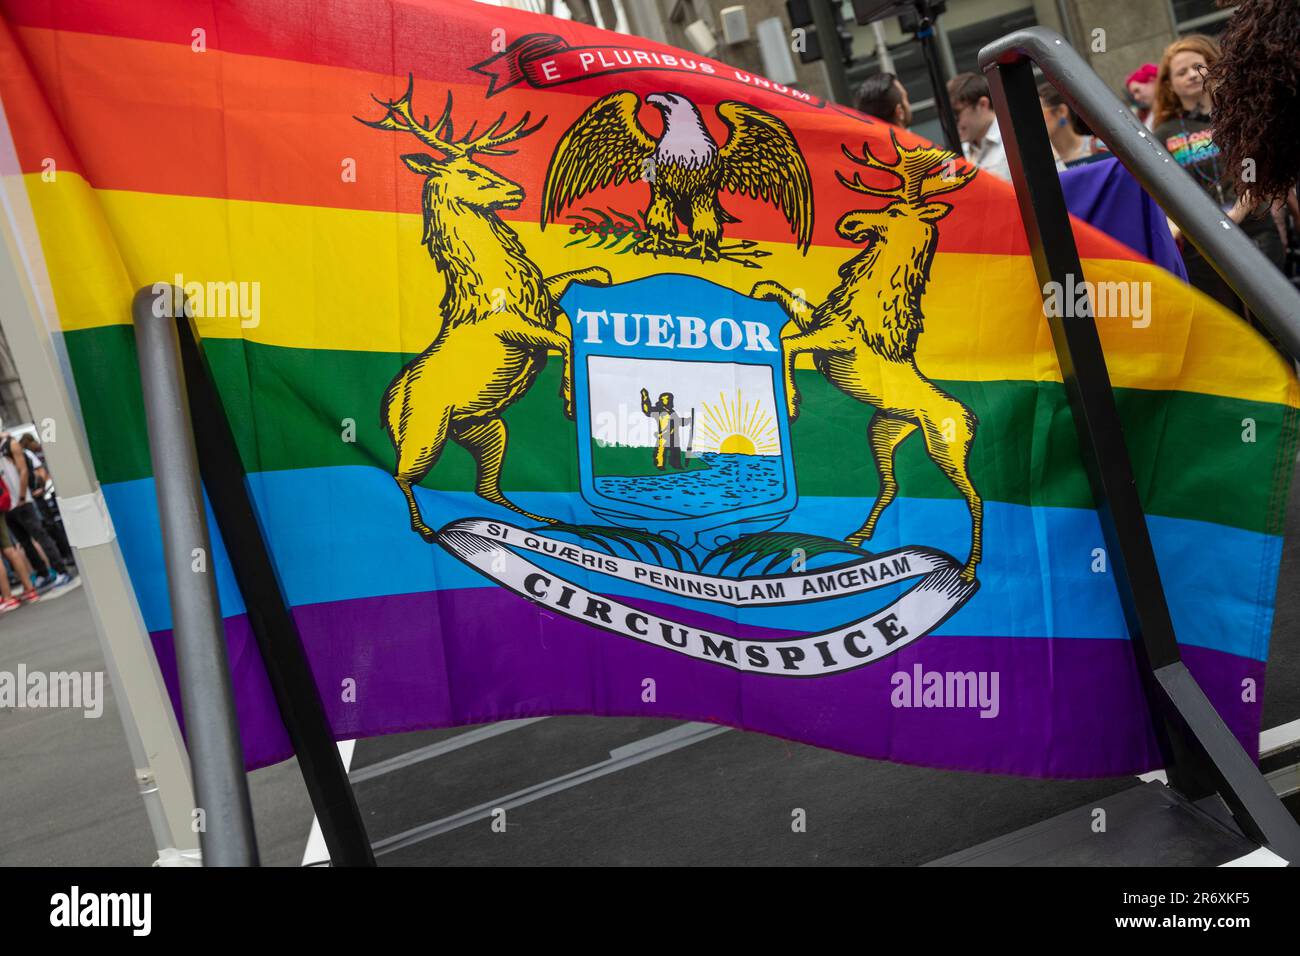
{"x": 29, "y": 597}
{"x": 62, "y": 585}
{"x": 11, "y": 604}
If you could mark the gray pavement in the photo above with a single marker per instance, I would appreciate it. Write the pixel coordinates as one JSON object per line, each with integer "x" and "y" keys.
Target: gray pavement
{"x": 68, "y": 793}
{"x": 67, "y": 783}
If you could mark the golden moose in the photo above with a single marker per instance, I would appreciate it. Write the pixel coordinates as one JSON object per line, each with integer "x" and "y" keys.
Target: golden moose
{"x": 498, "y": 314}
{"x": 863, "y": 337}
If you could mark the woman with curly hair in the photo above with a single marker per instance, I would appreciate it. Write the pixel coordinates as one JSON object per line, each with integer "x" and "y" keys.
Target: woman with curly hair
{"x": 1183, "y": 104}
{"x": 1256, "y": 86}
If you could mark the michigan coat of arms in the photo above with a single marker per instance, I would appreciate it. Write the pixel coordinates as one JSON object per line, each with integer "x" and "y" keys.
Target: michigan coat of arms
{"x": 689, "y": 533}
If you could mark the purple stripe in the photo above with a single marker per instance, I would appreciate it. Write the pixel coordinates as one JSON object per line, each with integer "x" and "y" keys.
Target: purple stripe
{"x": 1069, "y": 708}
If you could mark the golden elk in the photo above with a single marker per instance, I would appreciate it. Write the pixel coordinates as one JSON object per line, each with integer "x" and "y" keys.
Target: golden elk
{"x": 863, "y": 337}
{"x": 499, "y": 316}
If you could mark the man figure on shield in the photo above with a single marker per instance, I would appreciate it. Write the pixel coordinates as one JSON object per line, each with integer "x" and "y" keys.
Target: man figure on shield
{"x": 668, "y": 448}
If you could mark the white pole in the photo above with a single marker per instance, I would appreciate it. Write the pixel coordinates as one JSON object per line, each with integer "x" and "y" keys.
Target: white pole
{"x": 883, "y": 56}
{"x": 161, "y": 766}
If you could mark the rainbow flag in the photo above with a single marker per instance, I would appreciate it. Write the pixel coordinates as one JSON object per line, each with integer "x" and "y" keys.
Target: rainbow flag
{"x": 578, "y": 374}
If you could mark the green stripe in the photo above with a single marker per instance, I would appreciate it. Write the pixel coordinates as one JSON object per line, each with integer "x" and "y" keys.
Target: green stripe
{"x": 1189, "y": 456}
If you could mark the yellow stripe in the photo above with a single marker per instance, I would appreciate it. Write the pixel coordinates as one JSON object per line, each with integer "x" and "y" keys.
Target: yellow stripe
{"x": 361, "y": 281}
{"x": 80, "y": 250}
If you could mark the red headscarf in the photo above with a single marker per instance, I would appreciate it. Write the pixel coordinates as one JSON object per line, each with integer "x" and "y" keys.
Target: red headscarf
{"x": 1143, "y": 74}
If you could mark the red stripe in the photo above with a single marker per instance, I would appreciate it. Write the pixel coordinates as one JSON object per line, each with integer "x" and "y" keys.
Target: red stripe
{"x": 160, "y": 117}
{"x": 435, "y": 39}
{"x": 37, "y": 136}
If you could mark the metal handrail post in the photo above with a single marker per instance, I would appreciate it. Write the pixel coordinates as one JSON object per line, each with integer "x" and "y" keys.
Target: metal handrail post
{"x": 288, "y": 669}
{"x": 1201, "y": 754}
{"x": 211, "y": 729}
{"x": 1266, "y": 292}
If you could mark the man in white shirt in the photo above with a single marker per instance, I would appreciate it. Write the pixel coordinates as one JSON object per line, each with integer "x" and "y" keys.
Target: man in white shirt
{"x": 977, "y": 124}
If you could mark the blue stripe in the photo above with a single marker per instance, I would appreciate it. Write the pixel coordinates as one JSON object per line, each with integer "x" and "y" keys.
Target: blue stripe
{"x": 342, "y": 533}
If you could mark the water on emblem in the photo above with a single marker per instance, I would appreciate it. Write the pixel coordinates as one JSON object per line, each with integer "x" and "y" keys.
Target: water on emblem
{"x": 681, "y": 409}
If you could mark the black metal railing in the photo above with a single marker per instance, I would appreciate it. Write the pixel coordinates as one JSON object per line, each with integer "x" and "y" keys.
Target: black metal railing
{"x": 1201, "y": 755}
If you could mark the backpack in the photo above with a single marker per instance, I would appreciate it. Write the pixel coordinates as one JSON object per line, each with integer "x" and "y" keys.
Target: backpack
{"x": 8, "y": 478}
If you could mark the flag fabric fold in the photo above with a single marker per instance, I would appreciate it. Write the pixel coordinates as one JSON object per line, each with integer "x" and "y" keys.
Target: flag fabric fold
{"x": 575, "y": 374}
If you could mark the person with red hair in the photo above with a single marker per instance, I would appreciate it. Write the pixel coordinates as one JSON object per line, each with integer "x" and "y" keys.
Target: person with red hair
{"x": 1141, "y": 86}
{"x": 1183, "y": 123}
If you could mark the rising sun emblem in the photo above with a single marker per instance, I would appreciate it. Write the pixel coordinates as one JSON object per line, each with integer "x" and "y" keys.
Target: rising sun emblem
{"x": 735, "y": 426}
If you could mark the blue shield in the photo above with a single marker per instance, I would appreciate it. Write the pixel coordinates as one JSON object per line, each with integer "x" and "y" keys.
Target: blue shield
{"x": 680, "y": 407}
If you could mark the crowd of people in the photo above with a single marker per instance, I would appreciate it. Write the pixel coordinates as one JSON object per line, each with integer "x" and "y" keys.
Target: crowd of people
{"x": 37, "y": 560}
{"x": 1227, "y": 110}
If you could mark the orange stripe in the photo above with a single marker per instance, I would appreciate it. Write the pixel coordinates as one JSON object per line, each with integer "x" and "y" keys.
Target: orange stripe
{"x": 157, "y": 117}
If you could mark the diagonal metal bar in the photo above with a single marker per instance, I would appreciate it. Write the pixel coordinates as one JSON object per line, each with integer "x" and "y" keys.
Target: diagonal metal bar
{"x": 1269, "y": 295}
{"x": 1201, "y": 754}
{"x": 292, "y": 682}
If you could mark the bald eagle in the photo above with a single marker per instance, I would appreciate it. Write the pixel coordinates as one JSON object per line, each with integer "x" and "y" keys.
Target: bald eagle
{"x": 685, "y": 168}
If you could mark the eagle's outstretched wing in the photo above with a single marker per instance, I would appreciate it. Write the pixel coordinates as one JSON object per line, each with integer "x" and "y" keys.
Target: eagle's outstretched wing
{"x": 761, "y": 159}
{"x": 606, "y": 145}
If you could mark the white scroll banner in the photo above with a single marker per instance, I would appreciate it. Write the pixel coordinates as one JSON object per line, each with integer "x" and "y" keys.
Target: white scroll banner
{"x": 498, "y": 550}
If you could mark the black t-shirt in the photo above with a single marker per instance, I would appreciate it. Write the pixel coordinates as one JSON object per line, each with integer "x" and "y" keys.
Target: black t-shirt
{"x": 1190, "y": 140}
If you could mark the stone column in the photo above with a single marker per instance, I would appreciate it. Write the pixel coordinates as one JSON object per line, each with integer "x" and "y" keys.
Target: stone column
{"x": 1135, "y": 33}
